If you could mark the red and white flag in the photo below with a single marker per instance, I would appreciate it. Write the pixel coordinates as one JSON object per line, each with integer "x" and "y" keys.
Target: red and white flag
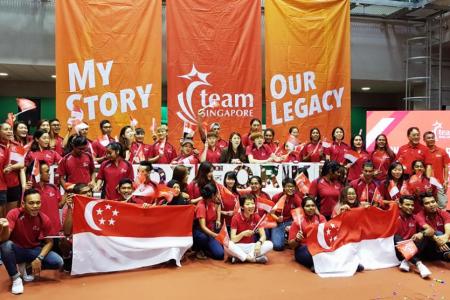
{"x": 291, "y": 143}
{"x": 189, "y": 160}
{"x": 338, "y": 246}
{"x": 17, "y": 154}
{"x": 223, "y": 237}
{"x": 377, "y": 197}
{"x": 298, "y": 215}
{"x": 266, "y": 221}
{"x": 279, "y": 206}
{"x": 393, "y": 189}
{"x": 153, "y": 127}
{"x": 25, "y": 104}
{"x": 436, "y": 183}
{"x": 133, "y": 120}
{"x": 303, "y": 183}
{"x": 351, "y": 155}
{"x": 225, "y": 194}
{"x": 326, "y": 144}
{"x": 104, "y": 140}
{"x": 264, "y": 204}
{"x": 36, "y": 172}
{"x": 407, "y": 248}
{"x": 113, "y": 236}
{"x": 11, "y": 119}
{"x": 189, "y": 129}
{"x": 163, "y": 191}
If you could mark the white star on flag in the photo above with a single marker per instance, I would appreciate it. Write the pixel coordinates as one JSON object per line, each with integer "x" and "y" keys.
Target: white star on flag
{"x": 115, "y": 212}
{"x": 102, "y": 221}
{"x": 328, "y": 231}
{"x": 111, "y": 221}
{"x": 99, "y": 211}
{"x": 107, "y": 206}
{"x": 332, "y": 225}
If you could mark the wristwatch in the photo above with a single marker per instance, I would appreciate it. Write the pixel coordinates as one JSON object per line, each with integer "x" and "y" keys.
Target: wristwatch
{"x": 40, "y": 257}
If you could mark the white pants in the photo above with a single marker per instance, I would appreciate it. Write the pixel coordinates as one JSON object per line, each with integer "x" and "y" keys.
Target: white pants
{"x": 442, "y": 198}
{"x": 243, "y": 251}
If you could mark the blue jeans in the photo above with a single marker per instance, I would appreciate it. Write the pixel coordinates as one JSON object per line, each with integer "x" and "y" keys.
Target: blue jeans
{"x": 303, "y": 256}
{"x": 210, "y": 245}
{"x": 277, "y": 235}
{"x": 13, "y": 255}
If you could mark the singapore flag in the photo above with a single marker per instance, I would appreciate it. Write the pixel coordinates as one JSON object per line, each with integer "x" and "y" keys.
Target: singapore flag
{"x": 359, "y": 236}
{"x": 113, "y": 236}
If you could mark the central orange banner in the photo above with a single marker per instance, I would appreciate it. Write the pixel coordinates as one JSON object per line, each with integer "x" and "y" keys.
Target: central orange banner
{"x": 213, "y": 63}
{"x": 308, "y": 66}
{"x": 108, "y": 62}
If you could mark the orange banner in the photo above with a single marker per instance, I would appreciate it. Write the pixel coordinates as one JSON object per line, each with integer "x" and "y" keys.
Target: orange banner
{"x": 308, "y": 66}
{"x": 214, "y": 63}
{"x": 108, "y": 62}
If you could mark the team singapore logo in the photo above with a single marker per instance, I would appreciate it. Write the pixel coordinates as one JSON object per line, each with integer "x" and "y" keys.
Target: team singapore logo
{"x": 212, "y": 104}
{"x": 439, "y": 132}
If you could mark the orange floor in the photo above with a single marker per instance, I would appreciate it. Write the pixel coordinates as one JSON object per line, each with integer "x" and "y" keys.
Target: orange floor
{"x": 282, "y": 278}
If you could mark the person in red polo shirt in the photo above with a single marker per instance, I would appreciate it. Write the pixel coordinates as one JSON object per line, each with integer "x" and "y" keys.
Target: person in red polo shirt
{"x": 355, "y": 169}
{"x": 284, "y": 218}
{"x": 112, "y": 171}
{"x": 5, "y": 133}
{"x": 437, "y": 161}
{"x": 269, "y": 135}
{"x": 40, "y": 150}
{"x": 78, "y": 165}
{"x": 434, "y": 219}
{"x": 390, "y": 188}
{"x": 211, "y": 151}
{"x": 408, "y": 229}
{"x": 337, "y": 150}
{"x": 365, "y": 187}
{"x": 326, "y": 188}
{"x": 26, "y": 242}
{"x": 99, "y": 145}
{"x": 382, "y": 157}
{"x": 255, "y": 126}
{"x": 187, "y": 154}
{"x": 243, "y": 234}
{"x": 412, "y": 151}
{"x": 215, "y": 127}
{"x": 313, "y": 151}
{"x": 139, "y": 151}
{"x": 56, "y": 141}
{"x": 163, "y": 152}
{"x": 258, "y": 152}
{"x": 235, "y": 152}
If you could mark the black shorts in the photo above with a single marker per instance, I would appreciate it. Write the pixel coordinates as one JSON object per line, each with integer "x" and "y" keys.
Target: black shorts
{"x": 14, "y": 194}
{"x": 2, "y": 197}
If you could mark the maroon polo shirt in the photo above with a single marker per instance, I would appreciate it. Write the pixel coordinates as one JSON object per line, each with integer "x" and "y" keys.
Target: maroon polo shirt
{"x": 99, "y": 146}
{"x": 262, "y": 153}
{"x": 355, "y": 169}
{"x": 213, "y": 155}
{"x": 59, "y": 148}
{"x": 292, "y": 202}
{"x": 207, "y": 212}
{"x": 381, "y": 162}
{"x": 360, "y": 185}
{"x": 438, "y": 159}
{"x": 28, "y": 231}
{"x": 241, "y": 223}
{"x": 337, "y": 151}
{"x": 112, "y": 174}
{"x": 193, "y": 190}
{"x": 314, "y": 152}
{"x": 137, "y": 148}
{"x": 222, "y": 144}
{"x": 50, "y": 198}
{"x": 4, "y": 161}
{"x": 409, "y": 153}
{"x": 436, "y": 221}
{"x": 76, "y": 169}
{"x": 169, "y": 153}
{"x": 13, "y": 178}
{"x": 49, "y": 156}
{"x": 327, "y": 192}
{"x": 407, "y": 226}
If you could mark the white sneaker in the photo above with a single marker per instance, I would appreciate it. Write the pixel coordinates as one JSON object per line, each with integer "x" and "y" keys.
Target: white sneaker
{"x": 423, "y": 270}
{"x": 23, "y": 273}
{"x": 17, "y": 286}
{"x": 404, "y": 266}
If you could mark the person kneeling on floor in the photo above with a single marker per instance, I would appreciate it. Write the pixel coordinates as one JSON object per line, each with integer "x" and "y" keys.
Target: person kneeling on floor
{"x": 26, "y": 227}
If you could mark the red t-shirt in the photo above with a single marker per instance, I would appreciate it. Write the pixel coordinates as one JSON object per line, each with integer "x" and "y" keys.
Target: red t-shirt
{"x": 337, "y": 151}
{"x": 49, "y": 156}
{"x": 76, "y": 169}
{"x": 169, "y": 153}
{"x": 222, "y": 144}
{"x": 59, "y": 145}
{"x": 409, "y": 153}
{"x": 272, "y": 146}
{"x": 381, "y": 162}
{"x": 436, "y": 221}
{"x": 112, "y": 174}
{"x": 246, "y": 140}
{"x": 4, "y": 161}
{"x": 327, "y": 193}
{"x": 306, "y": 222}
{"x": 407, "y": 226}
{"x": 27, "y": 231}
{"x": 355, "y": 169}
{"x": 292, "y": 202}
{"x": 139, "y": 152}
{"x": 361, "y": 187}
{"x": 314, "y": 151}
{"x": 262, "y": 153}
{"x": 213, "y": 156}
{"x": 207, "y": 212}
{"x": 241, "y": 223}
{"x": 50, "y": 198}
{"x": 228, "y": 205}
{"x": 438, "y": 159}
{"x": 193, "y": 190}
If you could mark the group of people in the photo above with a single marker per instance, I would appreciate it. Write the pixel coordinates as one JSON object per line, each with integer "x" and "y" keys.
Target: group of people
{"x": 415, "y": 178}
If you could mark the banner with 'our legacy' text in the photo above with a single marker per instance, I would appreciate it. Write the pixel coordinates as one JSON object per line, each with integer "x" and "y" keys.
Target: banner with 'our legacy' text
{"x": 108, "y": 62}
{"x": 213, "y": 63}
{"x": 308, "y": 65}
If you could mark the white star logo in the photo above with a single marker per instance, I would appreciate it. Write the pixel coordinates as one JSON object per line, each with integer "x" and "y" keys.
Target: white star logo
{"x": 328, "y": 231}
{"x": 115, "y": 212}
{"x": 99, "y": 211}
{"x": 194, "y": 72}
{"x": 102, "y": 221}
{"x": 332, "y": 225}
{"x": 111, "y": 221}
{"x": 335, "y": 238}
{"x": 107, "y": 206}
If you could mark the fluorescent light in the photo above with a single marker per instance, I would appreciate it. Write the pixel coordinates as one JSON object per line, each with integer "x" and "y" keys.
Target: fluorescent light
{"x": 53, "y": 76}
{"x": 3, "y": 74}
{"x": 365, "y": 88}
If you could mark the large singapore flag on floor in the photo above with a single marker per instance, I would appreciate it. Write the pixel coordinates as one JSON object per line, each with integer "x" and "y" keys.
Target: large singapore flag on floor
{"x": 360, "y": 236}
{"x": 112, "y": 236}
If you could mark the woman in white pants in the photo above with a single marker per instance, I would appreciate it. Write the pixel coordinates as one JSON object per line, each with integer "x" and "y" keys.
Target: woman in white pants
{"x": 243, "y": 232}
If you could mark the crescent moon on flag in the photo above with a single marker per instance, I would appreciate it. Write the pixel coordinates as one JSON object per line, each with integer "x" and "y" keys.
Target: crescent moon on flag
{"x": 88, "y": 215}
{"x": 321, "y": 237}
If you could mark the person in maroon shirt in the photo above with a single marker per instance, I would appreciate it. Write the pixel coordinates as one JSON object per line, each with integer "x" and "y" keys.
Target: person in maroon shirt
{"x": 243, "y": 234}
{"x": 208, "y": 223}
{"x": 214, "y": 127}
{"x": 212, "y": 151}
{"x": 337, "y": 150}
{"x": 284, "y": 219}
{"x": 5, "y": 135}
{"x": 56, "y": 141}
{"x": 203, "y": 177}
{"x": 418, "y": 184}
{"x": 43, "y": 125}
{"x": 408, "y": 229}
{"x": 258, "y": 152}
{"x": 78, "y": 165}
{"x": 40, "y": 150}
{"x": 269, "y": 135}
{"x": 313, "y": 151}
{"x": 347, "y": 200}
{"x": 99, "y": 145}
{"x": 355, "y": 169}
{"x": 382, "y": 157}
{"x": 21, "y": 136}
{"x": 365, "y": 186}
{"x": 390, "y": 188}
{"x": 298, "y": 232}
{"x": 139, "y": 150}
{"x": 235, "y": 152}
{"x": 187, "y": 154}
{"x": 255, "y": 126}
{"x": 434, "y": 219}
{"x": 111, "y": 171}
{"x": 26, "y": 242}
{"x": 411, "y": 151}
{"x": 163, "y": 152}
{"x": 257, "y": 192}
{"x": 228, "y": 205}
{"x": 326, "y": 188}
